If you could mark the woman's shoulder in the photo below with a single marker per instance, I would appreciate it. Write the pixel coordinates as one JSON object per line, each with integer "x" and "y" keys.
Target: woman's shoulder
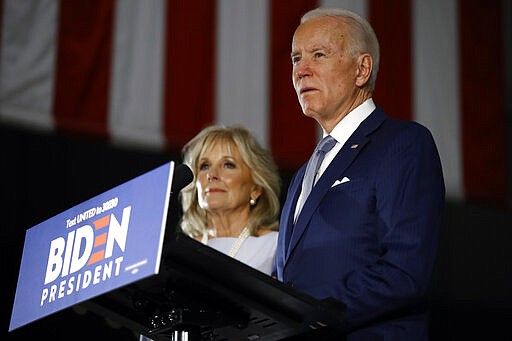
{"x": 264, "y": 232}
{"x": 267, "y": 238}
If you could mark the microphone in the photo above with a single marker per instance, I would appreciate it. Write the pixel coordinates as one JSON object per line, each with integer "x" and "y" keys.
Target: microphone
{"x": 182, "y": 177}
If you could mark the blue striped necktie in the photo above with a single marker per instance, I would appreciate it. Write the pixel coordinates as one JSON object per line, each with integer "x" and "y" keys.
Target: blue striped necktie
{"x": 323, "y": 147}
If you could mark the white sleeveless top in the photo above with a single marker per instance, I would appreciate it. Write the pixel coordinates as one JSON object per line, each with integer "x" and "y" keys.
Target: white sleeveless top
{"x": 257, "y": 252}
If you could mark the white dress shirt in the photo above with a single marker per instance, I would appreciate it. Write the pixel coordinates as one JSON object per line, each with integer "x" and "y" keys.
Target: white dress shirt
{"x": 341, "y": 133}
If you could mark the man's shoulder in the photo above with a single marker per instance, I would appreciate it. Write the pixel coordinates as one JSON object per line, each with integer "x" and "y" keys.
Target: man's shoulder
{"x": 399, "y": 124}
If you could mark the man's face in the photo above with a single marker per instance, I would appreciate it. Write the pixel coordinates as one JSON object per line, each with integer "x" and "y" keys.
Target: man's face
{"x": 324, "y": 72}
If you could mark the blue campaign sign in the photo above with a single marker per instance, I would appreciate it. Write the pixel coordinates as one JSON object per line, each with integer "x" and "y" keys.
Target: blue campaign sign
{"x": 109, "y": 241}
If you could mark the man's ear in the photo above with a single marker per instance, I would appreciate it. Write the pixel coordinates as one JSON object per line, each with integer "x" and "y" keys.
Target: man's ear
{"x": 364, "y": 69}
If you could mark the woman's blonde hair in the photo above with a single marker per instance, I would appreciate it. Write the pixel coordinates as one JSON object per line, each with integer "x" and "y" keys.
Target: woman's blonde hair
{"x": 265, "y": 213}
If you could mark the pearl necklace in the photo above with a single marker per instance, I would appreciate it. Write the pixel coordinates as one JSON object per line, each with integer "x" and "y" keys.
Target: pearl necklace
{"x": 238, "y": 242}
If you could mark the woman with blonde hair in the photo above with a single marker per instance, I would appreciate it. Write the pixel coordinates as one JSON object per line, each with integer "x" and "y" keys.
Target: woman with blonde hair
{"x": 233, "y": 203}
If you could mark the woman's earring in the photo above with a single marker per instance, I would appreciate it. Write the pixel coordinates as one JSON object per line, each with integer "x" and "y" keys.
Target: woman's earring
{"x": 252, "y": 202}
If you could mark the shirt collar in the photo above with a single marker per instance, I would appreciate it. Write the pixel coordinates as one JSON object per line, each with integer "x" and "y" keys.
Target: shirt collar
{"x": 351, "y": 121}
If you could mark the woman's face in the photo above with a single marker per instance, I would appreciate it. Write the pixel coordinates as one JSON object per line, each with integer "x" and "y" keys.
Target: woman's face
{"x": 224, "y": 182}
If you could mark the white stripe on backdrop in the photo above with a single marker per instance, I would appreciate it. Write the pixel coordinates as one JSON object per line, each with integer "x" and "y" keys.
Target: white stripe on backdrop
{"x": 243, "y": 59}
{"x": 27, "y": 59}
{"x": 436, "y": 83}
{"x": 242, "y": 65}
{"x": 136, "y": 98}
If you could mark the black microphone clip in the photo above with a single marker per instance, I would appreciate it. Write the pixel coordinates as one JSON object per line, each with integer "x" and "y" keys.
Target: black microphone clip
{"x": 182, "y": 177}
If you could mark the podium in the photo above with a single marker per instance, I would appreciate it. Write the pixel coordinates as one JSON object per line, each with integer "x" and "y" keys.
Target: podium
{"x": 120, "y": 255}
{"x": 202, "y": 294}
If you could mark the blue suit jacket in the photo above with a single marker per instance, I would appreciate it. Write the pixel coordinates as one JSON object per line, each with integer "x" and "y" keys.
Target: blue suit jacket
{"x": 369, "y": 242}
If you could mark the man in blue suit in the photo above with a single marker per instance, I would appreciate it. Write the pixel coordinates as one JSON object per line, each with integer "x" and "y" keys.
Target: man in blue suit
{"x": 367, "y": 234}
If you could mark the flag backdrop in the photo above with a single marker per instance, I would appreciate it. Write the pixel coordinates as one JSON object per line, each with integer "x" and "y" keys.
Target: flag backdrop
{"x": 152, "y": 73}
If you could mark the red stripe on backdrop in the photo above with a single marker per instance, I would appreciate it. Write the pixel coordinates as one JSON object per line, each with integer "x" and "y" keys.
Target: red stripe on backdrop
{"x": 391, "y": 21}
{"x": 83, "y": 66}
{"x": 292, "y": 135}
{"x": 482, "y": 101}
{"x": 189, "y": 70}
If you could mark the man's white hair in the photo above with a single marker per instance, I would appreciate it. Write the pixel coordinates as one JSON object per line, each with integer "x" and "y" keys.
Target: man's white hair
{"x": 363, "y": 38}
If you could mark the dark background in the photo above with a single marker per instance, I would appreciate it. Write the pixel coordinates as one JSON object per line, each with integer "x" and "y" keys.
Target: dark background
{"x": 45, "y": 174}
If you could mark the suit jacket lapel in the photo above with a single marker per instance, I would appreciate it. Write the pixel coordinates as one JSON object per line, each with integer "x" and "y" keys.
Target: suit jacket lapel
{"x": 289, "y": 209}
{"x": 343, "y": 159}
